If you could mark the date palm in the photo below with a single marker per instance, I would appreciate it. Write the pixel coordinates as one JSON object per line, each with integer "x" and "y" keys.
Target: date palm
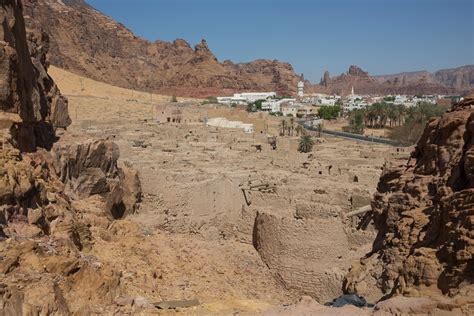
{"x": 306, "y": 144}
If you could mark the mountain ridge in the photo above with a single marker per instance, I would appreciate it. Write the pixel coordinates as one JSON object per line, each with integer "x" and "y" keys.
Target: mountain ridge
{"x": 89, "y": 43}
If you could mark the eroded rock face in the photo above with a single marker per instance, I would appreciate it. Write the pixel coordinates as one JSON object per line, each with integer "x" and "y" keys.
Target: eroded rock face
{"x": 423, "y": 211}
{"x": 90, "y": 167}
{"x": 26, "y": 89}
{"x": 44, "y": 235}
{"x": 404, "y": 83}
{"x": 115, "y": 55}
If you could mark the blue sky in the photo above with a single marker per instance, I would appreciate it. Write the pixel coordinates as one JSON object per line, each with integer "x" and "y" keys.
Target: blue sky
{"x": 381, "y": 36}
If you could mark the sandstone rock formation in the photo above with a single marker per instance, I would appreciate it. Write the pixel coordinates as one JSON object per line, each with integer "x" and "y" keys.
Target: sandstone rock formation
{"x": 461, "y": 78}
{"x": 423, "y": 211}
{"x": 44, "y": 235}
{"x": 29, "y": 96}
{"x": 443, "y": 82}
{"x": 87, "y": 42}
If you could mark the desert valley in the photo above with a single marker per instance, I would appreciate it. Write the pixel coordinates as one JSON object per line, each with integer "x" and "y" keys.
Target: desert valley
{"x": 150, "y": 178}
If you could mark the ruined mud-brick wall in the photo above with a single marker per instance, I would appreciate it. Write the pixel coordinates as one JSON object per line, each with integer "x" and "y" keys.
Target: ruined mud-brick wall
{"x": 424, "y": 214}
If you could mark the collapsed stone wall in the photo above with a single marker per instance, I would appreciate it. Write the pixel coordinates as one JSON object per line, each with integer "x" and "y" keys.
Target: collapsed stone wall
{"x": 423, "y": 212}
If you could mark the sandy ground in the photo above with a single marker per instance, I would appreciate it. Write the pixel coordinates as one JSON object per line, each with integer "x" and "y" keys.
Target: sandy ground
{"x": 199, "y": 226}
{"x": 91, "y": 100}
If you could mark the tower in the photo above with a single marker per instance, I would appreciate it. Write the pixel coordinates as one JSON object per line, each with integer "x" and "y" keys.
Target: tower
{"x": 352, "y": 91}
{"x": 301, "y": 86}
{"x": 300, "y": 89}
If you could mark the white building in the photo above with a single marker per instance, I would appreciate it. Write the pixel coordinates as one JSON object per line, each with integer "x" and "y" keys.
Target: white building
{"x": 224, "y": 123}
{"x": 328, "y": 100}
{"x": 411, "y": 101}
{"x": 274, "y": 105}
{"x": 301, "y": 89}
{"x": 354, "y": 102}
{"x": 288, "y": 109}
{"x": 246, "y": 98}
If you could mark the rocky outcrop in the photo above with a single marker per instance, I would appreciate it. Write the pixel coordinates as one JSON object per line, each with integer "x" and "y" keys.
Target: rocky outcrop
{"x": 90, "y": 167}
{"x": 88, "y": 43}
{"x": 357, "y": 71}
{"x": 27, "y": 93}
{"x": 461, "y": 79}
{"x": 442, "y": 82}
{"x": 423, "y": 211}
{"x": 45, "y": 235}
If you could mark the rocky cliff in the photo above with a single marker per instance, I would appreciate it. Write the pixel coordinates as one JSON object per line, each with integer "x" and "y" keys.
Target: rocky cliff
{"x": 461, "y": 79}
{"x": 423, "y": 212}
{"x": 53, "y": 194}
{"x": 31, "y": 104}
{"x": 450, "y": 81}
{"x": 88, "y": 43}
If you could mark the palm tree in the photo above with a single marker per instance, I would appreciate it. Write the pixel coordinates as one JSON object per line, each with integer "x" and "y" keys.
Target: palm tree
{"x": 292, "y": 126}
{"x": 283, "y": 127}
{"x": 392, "y": 114}
{"x": 402, "y": 110}
{"x": 300, "y": 130}
{"x": 306, "y": 144}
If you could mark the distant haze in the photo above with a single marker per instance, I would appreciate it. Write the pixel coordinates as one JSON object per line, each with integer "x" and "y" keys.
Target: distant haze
{"x": 381, "y": 36}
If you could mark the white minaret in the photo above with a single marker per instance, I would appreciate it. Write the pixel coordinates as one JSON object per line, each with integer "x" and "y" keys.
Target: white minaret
{"x": 301, "y": 89}
{"x": 352, "y": 91}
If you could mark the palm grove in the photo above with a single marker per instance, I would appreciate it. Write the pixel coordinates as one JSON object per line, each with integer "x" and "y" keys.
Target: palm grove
{"x": 406, "y": 123}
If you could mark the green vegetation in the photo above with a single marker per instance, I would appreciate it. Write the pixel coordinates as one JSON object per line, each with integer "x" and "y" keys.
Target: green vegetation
{"x": 406, "y": 124}
{"x": 282, "y": 97}
{"x": 276, "y": 113}
{"x": 255, "y": 106}
{"x": 389, "y": 99}
{"x": 329, "y": 112}
{"x": 356, "y": 122}
{"x": 415, "y": 120}
{"x": 210, "y": 100}
{"x": 287, "y": 127}
{"x": 306, "y": 144}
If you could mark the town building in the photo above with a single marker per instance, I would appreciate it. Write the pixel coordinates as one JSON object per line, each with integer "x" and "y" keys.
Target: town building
{"x": 354, "y": 102}
{"x": 177, "y": 113}
{"x": 168, "y": 114}
{"x": 225, "y": 123}
{"x": 274, "y": 105}
{"x": 300, "y": 89}
{"x": 326, "y": 100}
{"x": 289, "y": 109}
{"x": 246, "y": 98}
{"x": 306, "y": 110}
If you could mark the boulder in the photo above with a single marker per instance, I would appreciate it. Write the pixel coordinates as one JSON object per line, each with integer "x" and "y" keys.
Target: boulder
{"x": 90, "y": 167}
{"x": 423, "y": 213}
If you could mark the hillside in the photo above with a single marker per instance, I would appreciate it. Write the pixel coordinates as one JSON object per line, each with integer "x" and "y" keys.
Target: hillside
{"x": 94, "y": 100}
{"x": 88, "y": 43}
{"x": 448, "y": 81}
{"x": 461, "y": 78}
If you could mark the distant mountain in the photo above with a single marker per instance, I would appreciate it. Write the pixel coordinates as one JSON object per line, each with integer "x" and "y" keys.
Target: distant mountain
{"x": 448, "y": 81}
{"x": 85, "y": 41}
{"x": 461, "y": 78}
